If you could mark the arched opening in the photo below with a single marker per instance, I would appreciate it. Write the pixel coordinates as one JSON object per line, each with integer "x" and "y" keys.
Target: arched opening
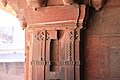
{"x": 12, "y": 44}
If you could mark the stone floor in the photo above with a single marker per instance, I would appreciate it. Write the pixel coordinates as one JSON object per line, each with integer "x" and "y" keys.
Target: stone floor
{"x": 12, "y": 71}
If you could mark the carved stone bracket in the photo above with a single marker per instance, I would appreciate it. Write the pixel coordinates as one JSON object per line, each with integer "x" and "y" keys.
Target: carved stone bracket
{"x": 97, "y": 4}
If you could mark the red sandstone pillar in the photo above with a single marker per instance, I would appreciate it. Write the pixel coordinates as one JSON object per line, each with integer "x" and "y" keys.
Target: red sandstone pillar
{"x": 53, "y": 42}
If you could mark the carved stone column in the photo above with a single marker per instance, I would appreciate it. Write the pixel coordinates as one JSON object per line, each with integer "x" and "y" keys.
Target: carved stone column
{"x": 54, "y": 42}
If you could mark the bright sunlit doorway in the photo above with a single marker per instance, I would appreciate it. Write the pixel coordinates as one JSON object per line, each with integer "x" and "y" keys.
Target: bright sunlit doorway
{"x": 12, "y": 44}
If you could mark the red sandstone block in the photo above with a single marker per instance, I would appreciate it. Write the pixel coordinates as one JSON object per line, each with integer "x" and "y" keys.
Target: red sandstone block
{"x": 114, "y": 62}
{"x": 114, "y": 78}
{"x": 54, "y": 14}
{"x": 97, "y": 64}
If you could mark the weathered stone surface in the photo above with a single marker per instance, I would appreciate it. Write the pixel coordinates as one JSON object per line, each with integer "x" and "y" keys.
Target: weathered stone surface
{"x": 102, "y": 43}
{"x": 52, "y": 14}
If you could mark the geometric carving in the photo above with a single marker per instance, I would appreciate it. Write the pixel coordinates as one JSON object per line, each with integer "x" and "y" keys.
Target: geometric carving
{"x": 60, "y": 63}
{"x": 40, "y": 36}
{"x": 50, "y": 50}
{"x": 77, "y": 35}
{"x": 71, "y": 35}
{"x": 47, "y": 36}
{"x": 70, "y": 51}
{"x": 54, "y": 50}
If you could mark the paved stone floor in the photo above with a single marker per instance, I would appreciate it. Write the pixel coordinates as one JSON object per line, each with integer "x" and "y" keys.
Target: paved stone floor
{"x": 11, "y": 71}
